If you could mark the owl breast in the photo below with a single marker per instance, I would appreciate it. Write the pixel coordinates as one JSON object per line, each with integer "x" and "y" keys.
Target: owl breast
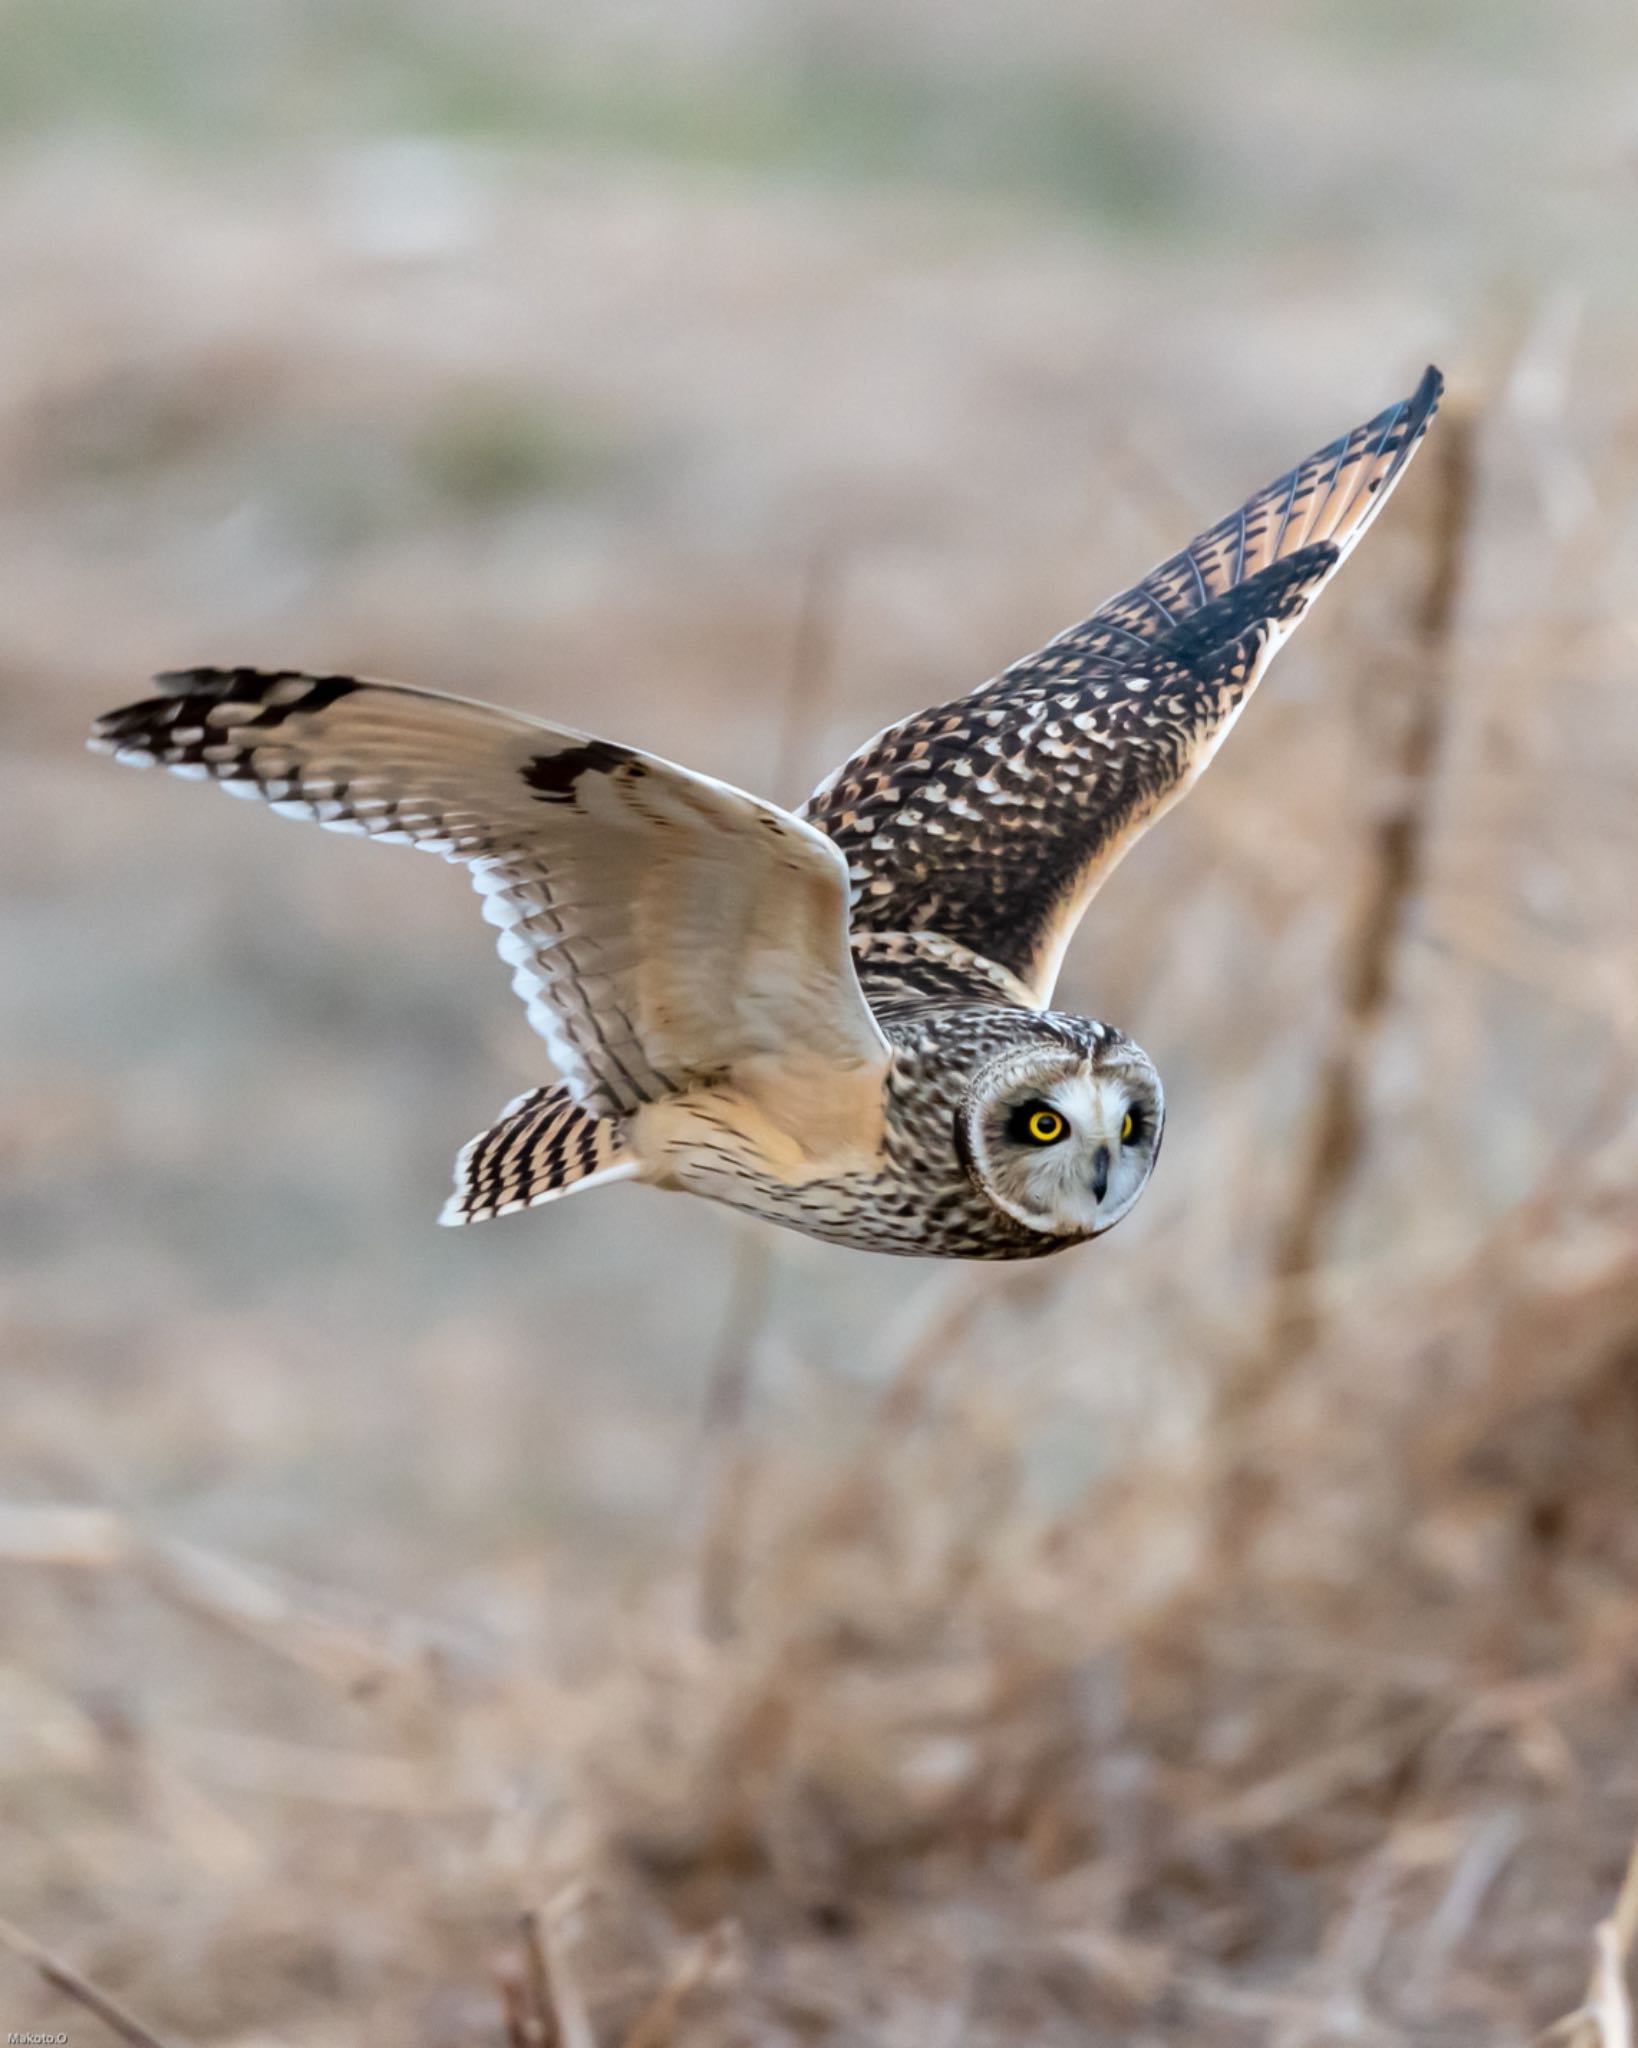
{"x": 903, "y": 1189}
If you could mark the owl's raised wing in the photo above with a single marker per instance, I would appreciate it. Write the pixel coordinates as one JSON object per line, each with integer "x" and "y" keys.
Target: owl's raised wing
{"x": 664, "y": 928}
{"x": 992, "y": 819}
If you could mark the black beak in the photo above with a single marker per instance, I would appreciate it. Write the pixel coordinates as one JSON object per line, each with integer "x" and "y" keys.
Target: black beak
{"x": 1100, "y": 1172}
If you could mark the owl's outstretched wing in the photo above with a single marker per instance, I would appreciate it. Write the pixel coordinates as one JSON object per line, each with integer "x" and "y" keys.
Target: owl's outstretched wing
{"x": 664, "y": 928}
{"x": 992, "y": 819}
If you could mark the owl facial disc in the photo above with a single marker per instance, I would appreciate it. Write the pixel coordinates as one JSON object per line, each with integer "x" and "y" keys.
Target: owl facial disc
{"x": 1061, "y": 1140}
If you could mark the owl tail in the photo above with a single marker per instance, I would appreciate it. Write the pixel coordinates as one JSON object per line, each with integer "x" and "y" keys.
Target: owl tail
{"x": 543, "y": 1146}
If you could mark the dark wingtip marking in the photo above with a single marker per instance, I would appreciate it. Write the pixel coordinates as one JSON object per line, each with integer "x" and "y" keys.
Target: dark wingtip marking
{"x": 553, "y": 776}
{"x": 252, "y": 684}
{"x": 1423, "y": 403}
{"x": 1404, "y": 424}
{"x": 150, "y": 721}
{"x": 1268, "y": 596}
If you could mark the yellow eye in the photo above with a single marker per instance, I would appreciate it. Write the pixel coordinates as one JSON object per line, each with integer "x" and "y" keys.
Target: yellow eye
{"x": 1046, "y": 1127}
{"x": 1128, "y": 1128}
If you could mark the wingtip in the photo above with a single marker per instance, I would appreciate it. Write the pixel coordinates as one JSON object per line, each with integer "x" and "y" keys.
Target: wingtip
{"x": 110, "y": 730}
{"x": 1408, "y": 421}
{"x": 111, "y": 735}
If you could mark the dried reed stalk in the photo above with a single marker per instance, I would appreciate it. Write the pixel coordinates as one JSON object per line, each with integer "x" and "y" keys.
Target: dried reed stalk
{"x": 61, "y": 1977}
{"x": 847, "y": 1507}
{"x": 1604, "y": 2017}
{"x": 727, "y": 1462}
{"x": 1393, "y": 877}
{"x": 812, "y": 669}
{"x": 726, "y": 1458}
{"x": 656, "y": 2025}
{"x": 540, "y": 2004}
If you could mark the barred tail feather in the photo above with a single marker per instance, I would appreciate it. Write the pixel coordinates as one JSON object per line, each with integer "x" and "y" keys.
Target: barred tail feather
{"x": 542, "y": 1146}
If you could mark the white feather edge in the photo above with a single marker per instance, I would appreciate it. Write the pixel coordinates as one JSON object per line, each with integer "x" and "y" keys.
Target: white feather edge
{"x": 452, "y": 1216}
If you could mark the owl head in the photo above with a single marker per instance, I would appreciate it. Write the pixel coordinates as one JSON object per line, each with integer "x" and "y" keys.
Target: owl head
{"x": 1063, "y": 1136}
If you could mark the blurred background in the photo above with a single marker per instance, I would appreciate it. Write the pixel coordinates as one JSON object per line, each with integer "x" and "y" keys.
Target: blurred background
{"x": 1224, "y": 1634}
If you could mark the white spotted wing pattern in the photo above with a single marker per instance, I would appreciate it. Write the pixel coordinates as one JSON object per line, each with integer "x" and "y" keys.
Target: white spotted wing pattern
{"x": 993, "y": 818}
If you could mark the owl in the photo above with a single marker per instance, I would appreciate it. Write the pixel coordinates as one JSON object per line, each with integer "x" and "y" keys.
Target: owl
{"x": 838, "y": 1019}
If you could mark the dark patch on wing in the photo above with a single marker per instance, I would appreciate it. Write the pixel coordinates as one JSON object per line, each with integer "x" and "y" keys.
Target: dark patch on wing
{"x": 987, "y": 820}
{"x": 1269, "y": 597}
{"x": 553, "y": 776}
{"x": 251, "y": 685}
{"x": 1077, "y": 754}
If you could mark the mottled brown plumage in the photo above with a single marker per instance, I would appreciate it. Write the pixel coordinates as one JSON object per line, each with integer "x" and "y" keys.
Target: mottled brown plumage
{"x": 992, "y": 818}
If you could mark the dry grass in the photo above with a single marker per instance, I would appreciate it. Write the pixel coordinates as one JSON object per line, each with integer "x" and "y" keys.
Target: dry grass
{"x": 954, "y": 1769}
{"x": 626, "y": 1633}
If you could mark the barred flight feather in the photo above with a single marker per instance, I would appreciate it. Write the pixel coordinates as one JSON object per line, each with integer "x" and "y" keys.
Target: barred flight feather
{"x": 541, "y": 1146}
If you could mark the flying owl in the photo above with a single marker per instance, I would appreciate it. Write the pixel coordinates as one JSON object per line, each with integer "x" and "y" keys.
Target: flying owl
{"x": 840, "y": 1018}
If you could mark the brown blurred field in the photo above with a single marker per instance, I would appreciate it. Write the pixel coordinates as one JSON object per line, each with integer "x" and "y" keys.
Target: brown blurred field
{"x": 1227, "y": 1634}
